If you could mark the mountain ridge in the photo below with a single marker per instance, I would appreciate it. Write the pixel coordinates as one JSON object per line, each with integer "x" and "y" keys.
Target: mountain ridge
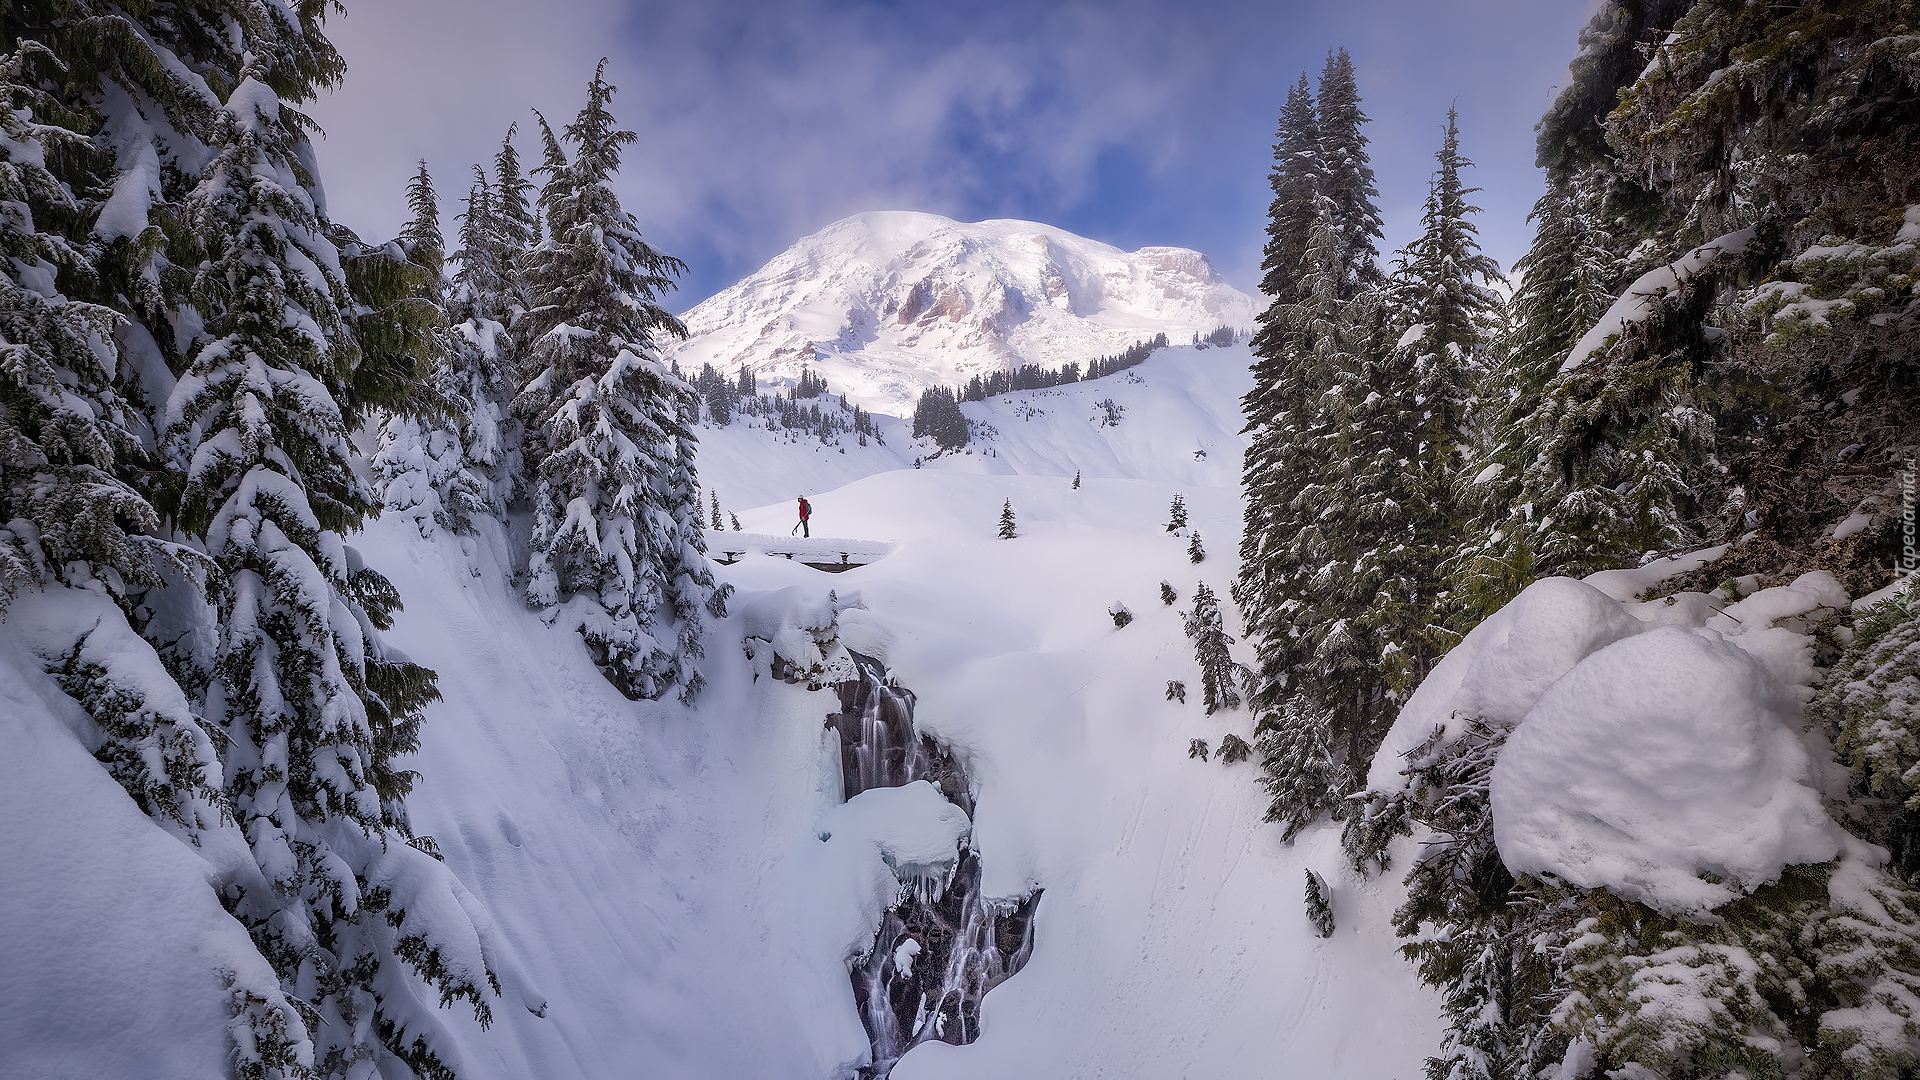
{"x": 887, "y": 303}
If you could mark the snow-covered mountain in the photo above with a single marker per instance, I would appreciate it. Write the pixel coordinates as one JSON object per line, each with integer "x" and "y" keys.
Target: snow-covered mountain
{"x": 885, "y": 304}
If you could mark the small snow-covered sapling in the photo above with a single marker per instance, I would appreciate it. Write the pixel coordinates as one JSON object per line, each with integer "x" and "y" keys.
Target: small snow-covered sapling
{"x": 1007, "y": 530}
{"x": 1177, "y": 515}
{"x": 736, "y": 520}
{"x": 1177, "y": 691}
{"x": 1233, "y": 749}
{"x": 1076, "y": 479}
{"x": 1121, "y": 615}
{"x": 1197, "y": 749}
{"x": 1167, "y": 595}
{"x": 1196, "y": 553}
{"x": 1319, "y": 905}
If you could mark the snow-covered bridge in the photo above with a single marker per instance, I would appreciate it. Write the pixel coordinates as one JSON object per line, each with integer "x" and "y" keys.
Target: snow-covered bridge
{"x": 830, "y": 553}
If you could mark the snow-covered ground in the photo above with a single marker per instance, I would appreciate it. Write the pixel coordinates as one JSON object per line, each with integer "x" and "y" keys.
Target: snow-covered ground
{"x": 662, "y": 902}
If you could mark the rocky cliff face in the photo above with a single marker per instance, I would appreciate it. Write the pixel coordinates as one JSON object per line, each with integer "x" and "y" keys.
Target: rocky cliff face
{"x": 886, "y": 304}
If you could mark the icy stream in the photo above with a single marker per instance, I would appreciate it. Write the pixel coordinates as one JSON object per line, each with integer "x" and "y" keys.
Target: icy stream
{"x": 943, "y": 946}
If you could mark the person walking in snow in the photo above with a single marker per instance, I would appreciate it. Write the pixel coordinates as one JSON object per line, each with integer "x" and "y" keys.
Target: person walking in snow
{"x": 806, "y": 512}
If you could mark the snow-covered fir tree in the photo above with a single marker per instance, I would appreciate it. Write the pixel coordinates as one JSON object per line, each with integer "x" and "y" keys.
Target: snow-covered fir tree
{"x": 1441, "y": 295}
{"x": 1871, "y": 703}
{"x": 68, "y": 433}
{"x": 71, "y": 443}
{"x": 1008, "y": 530}
{"x": 1219, "y": 675}
{"x": 421, "y": 466}
{"x": 1234, "y": 749}
{"x": 616, "y": 549}
{"x": 1319, "y": 901}
{"x": 1297, "y": 771}
{"x": 1325, "y": 583}
{"x": 1296, "y": 179}
{"x": 1564, "y": 288}
{"x": 1347, "y": 192}
{"x": 463, "y": 465}
{"x": 312, "y": 707}
{"x": 1177, "y": 514}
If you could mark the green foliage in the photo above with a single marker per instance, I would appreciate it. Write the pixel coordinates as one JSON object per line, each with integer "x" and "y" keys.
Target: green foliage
{"x": 937, "y": 416}
{"x": 1871, "y": 705}
{"x": 1347, "y": 192}
{"x": 1319, "y": 905}
{"x": 1233, "y": 749}
{"x": 1219, "y": 675}
{"x": 1296, "y": 179}
{"x": 1295, "y": 748}
{"x": 608, "y": 427}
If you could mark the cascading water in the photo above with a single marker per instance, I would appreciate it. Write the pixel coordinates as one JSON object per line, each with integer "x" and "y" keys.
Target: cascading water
{"x": 943, "y": 946}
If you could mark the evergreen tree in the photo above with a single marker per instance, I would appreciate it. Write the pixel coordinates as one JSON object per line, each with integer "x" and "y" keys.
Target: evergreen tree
{"x": 1871, "y": 704}
{"x": 1007, "y": 531}
{"x": 1441, "y": 294}
{"x": 937, "y": 416}
{"x": 1076, "y": 479}
{"x": 1297, "y": 178}
{"x": 68, "y": 433}
{"x": 424, "y": 464}
{"x": 1233, "y": 749}
{"x": 1167, "y": 594}
{"x": 69, "y": 440}
{"x": 1295, "y": 746}
{"x": 1196, "y": 552}
{"x": 1563, "y": 289}
{"x": 1325, "y": 579}
{"x": 1702, "y": 379}
{"x": 311, "y": 706}
{"x": 515, "y": 225}
{"x": 1177, "y": 515}
{"x": 1319, "y": 905}
{"x": 715, "y": 496}
{"x": 1218, "y": 672}
{"x": 616, "y": 549}
{"x": 1346, "y": 179}
{"x": 1489, "y": 944}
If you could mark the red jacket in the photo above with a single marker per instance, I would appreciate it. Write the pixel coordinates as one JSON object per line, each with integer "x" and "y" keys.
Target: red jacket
{"x": 805, "y": 510}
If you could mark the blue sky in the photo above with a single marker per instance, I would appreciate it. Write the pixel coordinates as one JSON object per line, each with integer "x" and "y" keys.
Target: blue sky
{"x": 1134, "y": 122}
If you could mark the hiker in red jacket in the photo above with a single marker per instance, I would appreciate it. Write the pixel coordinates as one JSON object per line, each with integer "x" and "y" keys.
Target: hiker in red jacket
{"x": 806, "y": 512}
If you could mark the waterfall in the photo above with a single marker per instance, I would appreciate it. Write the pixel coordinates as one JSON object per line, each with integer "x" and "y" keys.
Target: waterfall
{"x": 944, "y": 945}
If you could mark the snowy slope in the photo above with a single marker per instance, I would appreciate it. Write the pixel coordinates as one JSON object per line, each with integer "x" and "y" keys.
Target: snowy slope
{"x": 655, "y": 876}
{"x": 656, "y": 871}
{"x": 1178, "y": 423}
{"x": 885, "y": 304}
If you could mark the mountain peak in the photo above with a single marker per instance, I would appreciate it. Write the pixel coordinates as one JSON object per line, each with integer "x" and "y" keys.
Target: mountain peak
{"x": 886, "y": 303}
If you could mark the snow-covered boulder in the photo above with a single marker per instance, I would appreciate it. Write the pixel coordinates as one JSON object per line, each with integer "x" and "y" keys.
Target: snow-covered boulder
{"x": 1501, "y": 668}
{"x": 871, "y": 845}
{"x": 1666, "y": 767}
